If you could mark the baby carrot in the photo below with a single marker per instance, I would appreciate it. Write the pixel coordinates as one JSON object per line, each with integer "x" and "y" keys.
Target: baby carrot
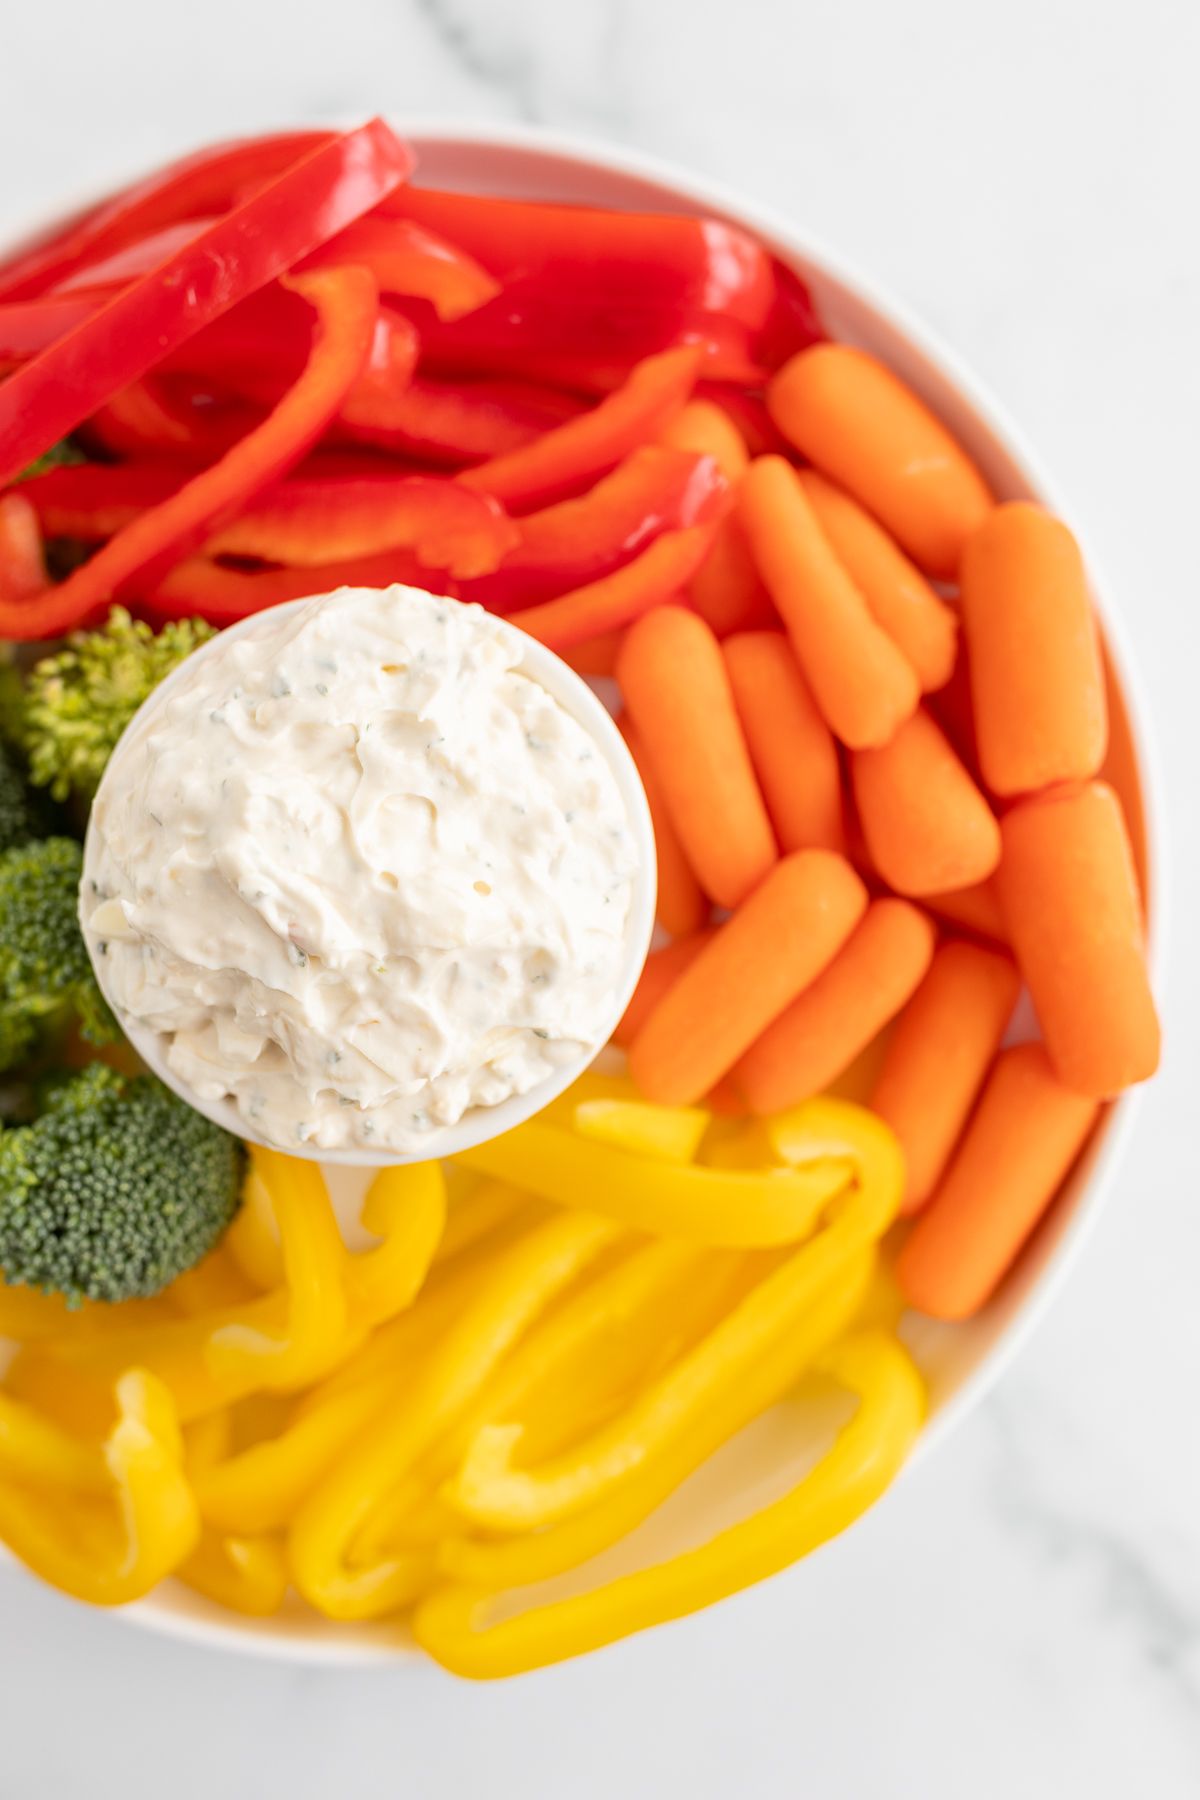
{"x": 727, "y": 589}
{"x": 682, "y": 907}
{"x": 794, "y": 756}
{"x": 938, "y": 1056}
{"x": 927, "y": 826}
{"x": 705, "y": 429}
{"x": 596, "y": 656}
{"x": 859, "y": 424}
{"x": 660, "y": 971}
{"x": 1070, "y": 895}
{"x": 776, "y": 943}
{"x": 1026, "y": 1133}
{"x": 822, "y": 1031}
{"x": 1037, "y": 681}
{"x": 914, "y": 617}
{"x": 673, "y": 678}
{"x": 862, "y": 683}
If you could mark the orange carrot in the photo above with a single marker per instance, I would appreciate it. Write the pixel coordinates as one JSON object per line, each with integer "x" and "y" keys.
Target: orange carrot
{"x": 776, "y": 943}
{"x": 727, "y": 589}
{"x": 822, "y": 1031}
{"x": 1037, "y": 681}
{"x": 614, "y": 601}
{"x": 859, "y": 424}
{"x": 1069, "y": 891}
{"x": 1026, "y": 1133}
{"x": 914, "y": 617}
{"x": 673, "y": 678}
{"x": 705, "y": 429}
{"x": 863, "y": 685}
{"x": 939, "y": 1054}
{"x": 660, "y": 971}
{"x": 976, "y": 909}
{"x": 793, "y": 753}
{"x": 928, "y": 827}
{"x": 682, "y": 907}
{"x": 724, "y": 1100}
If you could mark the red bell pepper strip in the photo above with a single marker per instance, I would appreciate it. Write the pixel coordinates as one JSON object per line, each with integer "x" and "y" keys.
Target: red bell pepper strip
{"x": 22, "y": 563}
{"x": 563, "y": 459}
{"x": 148, "y": 418}
{"x": 132, "y": 261}
{"x": 750, "y": 416}
{"x": 308, "y": 523}
{"x": 204, "y": 589}
{"x": 453, "y": 423}
{"x": 345, "y": 303}
{"x": 93, "y": 501}
{"x": 652, "y": 491}
{"x": 291, "y": 216}
{"x": 684, "y": 262}
{"x": 617, "y": 600}
{"x": 28, "y": 326}
{"x": 793, "y": 322}
{"x": 406, "y": 259}
{"x": 208, "y": 181}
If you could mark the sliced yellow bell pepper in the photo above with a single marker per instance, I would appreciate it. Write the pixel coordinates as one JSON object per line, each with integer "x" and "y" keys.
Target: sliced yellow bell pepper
{"x": 520, "y": 1284}
{"x": 452, "y": 1623}
{"x": 248, "y": 1575}
{"x": 406, "y": 1207}
{"x": 113, "y": 1550}
{"x": 215, "y": 1283}
{"x": 253, "y": 1238}
{"x": 731, "y": 1208}
{"x": 489, "y": 1205}
{"x": 664, "y": 1133}
{"x": 35, "y": 1450}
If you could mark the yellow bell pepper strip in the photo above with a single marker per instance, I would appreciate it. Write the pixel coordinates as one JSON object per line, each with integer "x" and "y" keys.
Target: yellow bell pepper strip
{"x": 452, "y": 1622}
{"x": 247, "y": 1575}
{"x": 521, "y": 1284}
{"x": 406, "y": 1207}
{"x": 489, "y": 1205}
{"x": 586, "y": 1353}
{"x": 663, "y": 1133}
{"x": 538, "y": 1556}
{"x": 253, "y": 1238}
{"x": 492, "y": 1493}
{"x": 730, "y": 1208}
{"x": 830, "y": 1128}
{"x": 739, "y": 1146}
{"x": 593, "y": 1084}
{"x": 214, "y": 1283}
{"x": 206, "y": 1441}
{"x": 36, "y": 1451}
{"x": 29, "y": 1316}
{"x": 114, "y": 1552}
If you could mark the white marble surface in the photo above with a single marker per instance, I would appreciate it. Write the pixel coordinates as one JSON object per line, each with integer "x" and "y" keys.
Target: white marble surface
{"x": 1023, "y": 1617}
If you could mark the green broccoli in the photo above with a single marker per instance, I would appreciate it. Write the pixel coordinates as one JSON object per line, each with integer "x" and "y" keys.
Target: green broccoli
{"x": 46, "y": 979}
{"x": 18, "y": 820}
{"x": 116, "y": 1189}
{"x": 79, "y": 700}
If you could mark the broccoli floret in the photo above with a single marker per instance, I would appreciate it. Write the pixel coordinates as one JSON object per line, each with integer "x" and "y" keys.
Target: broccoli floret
{"x": 79, "y": 701}
{"x": 46, "y": 979}
{"x": 115, "y": 1190}
{"x": 18, "y": 820}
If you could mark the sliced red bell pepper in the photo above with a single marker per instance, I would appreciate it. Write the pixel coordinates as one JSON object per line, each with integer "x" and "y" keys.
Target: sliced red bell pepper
{"x": 406, "y": 259}
{"x": 453, "y": 423}
{"x": 683, "y": 262}
{"x": 29, "y": 326}
{"x": 206, "y": 182}
{"x": 750, "y": 415}
{"x": 308, "y": 523}
{"x": 93, "y": 501}
{"x": 615, "y": 601}
{"x": 653, "y": 490}
{"x": 292, "y": 215}
{"x": 563, "y": 459}
{"x": 22, "y": 562}
{"x": 345, "y": 302}
{"x": 793, "y": 322}
{"x": 201, "y": 588}
{"x": 131, "y": 261}
{"x": 152, "y": 418}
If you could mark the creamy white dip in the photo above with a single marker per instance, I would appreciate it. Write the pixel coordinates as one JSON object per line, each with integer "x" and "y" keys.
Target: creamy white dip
{"x": 362, "y": 871}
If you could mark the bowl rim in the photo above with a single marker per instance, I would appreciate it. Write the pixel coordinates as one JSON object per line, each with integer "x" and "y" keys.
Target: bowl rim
{"x": 258, "y": 1638}
{"x": 480, "y": 1123}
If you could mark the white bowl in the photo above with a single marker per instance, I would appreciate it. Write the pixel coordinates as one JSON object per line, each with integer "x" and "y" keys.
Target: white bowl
{"x": 481, "y": 1122}
{"x": 960, "y": 1362}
